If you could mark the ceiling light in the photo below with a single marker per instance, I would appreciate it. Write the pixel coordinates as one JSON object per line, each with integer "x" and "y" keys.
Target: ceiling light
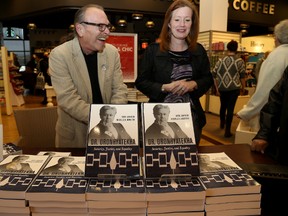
{"x": 137, "y": 16}
{"x": 31, "y": 26}
{"x": 122, "y": 22}
{"x": 150, "y": 24}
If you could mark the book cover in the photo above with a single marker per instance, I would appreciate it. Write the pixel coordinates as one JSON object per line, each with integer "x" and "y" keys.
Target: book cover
{"x": 169, "y": 148}
{"x": 222, "y": 176}
{"x": 174, "y": 189}
{"x": 233, "y": 198}
{"x": 113, "y": 141}
{"x": 61, "y": 179}
{"x": 116, "y": 189}
{"x": 17, "y": 173}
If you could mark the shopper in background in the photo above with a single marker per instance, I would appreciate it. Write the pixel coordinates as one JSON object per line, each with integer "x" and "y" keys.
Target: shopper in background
{"x": 43, "y": 66}
{"x": 229, "y": 79}
{"x": 270, "y": 73}
{"x": 83, "y": 71}
{"x": 272, "y": 135}
{"x": 259, "y": 63}
{"x": 177, "y": 69}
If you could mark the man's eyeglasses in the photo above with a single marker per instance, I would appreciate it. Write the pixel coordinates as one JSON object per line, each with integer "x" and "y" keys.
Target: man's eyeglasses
{"x": 101, "y": 26}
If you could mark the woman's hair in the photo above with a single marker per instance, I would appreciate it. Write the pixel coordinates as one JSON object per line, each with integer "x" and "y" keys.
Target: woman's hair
{"x": 158, "y": 107}
{"x": 232, "y": 46}
{"x": 281, "y": 31}
{"x": 165, "y": 35}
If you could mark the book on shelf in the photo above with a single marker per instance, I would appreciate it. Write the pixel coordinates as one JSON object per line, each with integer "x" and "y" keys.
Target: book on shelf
{"x": 54, "y": 153}
{"x": 116, "y": 189}
{"x": 116, "y": 204}
{"x": 220, "y": 175}
{"x": 61, "y": 179}
{"x": 170, "y": 150}
{"x": 17, "y": 173}
{"x": 11, "y": 149}
{"x": 113, "y": 141}
{"x": 174, "y": 189}
{"x": 118, "y": 212}
{"x": 58, "y": 214}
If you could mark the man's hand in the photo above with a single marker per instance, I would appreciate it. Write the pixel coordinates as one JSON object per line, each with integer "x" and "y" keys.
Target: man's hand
{"x": 259, "y": 145}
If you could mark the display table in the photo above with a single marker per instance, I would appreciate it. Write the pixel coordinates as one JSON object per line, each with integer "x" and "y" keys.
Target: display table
{"x": 272, "y": 189}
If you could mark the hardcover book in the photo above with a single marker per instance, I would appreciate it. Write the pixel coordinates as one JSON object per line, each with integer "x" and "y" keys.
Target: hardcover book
{"x": 113, "y": 142}
{"x": 17, "y": 173}
{"x": 61, "y": 179}
{"x": 116, "y": 189}
{"x": 169, "y": 148}
{"x": 222, "y": 176}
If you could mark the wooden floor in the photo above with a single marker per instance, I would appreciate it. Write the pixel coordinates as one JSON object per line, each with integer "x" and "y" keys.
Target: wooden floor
{"x": 212, "y": 134}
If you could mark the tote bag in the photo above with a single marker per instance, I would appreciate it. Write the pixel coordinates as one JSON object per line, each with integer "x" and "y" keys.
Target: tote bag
{"x": 40, "y": 81}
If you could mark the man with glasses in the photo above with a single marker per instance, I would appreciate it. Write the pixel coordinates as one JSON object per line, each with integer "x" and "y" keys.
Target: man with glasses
{"x": 85, "y": 70}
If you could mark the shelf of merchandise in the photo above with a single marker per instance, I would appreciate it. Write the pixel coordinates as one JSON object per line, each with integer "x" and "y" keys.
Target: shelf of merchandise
{"x": 5, "y": 81}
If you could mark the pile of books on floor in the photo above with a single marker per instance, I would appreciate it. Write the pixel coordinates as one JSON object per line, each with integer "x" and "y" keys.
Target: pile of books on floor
{"x": 229, "y": 189}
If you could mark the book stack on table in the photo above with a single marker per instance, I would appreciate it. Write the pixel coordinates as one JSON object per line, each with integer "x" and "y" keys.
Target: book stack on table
{"x": 171, "y": 161}
{"x": 16, "y": 175}
{"x": 229, "y": 189}
{"x": 60, "y": 188}
{"x": 113, "y": 164}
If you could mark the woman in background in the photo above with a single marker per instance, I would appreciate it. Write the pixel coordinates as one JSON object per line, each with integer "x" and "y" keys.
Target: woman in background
{"x": 177, "y": 68}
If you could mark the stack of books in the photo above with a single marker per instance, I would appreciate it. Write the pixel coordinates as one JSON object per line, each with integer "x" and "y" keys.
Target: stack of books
{"x": 60, "y": 188}
{"x": 116, "y": 197}
{"x": 113, "y": 164}
{"x": 170, "y": 160}
{"x": 229, "y": 189}
{"x": 175, "y": 197}
{"x": 16, "y": 175}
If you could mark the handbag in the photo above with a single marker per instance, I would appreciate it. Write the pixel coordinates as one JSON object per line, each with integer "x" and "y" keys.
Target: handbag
{"x": 40, "y": 81}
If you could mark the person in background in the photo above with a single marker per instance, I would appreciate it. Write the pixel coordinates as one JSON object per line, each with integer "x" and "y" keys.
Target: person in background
{"x": 259, "y": 63}
{"x": 229, "y": 78}
{"x": 106, "y": 128}
{"x": 44, "y": 67}
{"x": 271, "y": 138}
{"x": 85, "y": 70}
{"x": 177, "y": 68}
{"x": 270, "y": 73}
{"x": 161, "y": 127}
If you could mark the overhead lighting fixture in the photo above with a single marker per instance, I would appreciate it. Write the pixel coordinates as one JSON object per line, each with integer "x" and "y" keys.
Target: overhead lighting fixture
{"x": 137, "y": 16}
{"x": 150, "y": 24}
{"x": 31, "y": 26}
{"x": 72, "y": 27}
{"x": 122, "y": 22}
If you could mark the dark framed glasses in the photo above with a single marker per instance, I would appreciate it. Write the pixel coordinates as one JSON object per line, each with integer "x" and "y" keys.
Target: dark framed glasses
{"x": 101, "y": 26}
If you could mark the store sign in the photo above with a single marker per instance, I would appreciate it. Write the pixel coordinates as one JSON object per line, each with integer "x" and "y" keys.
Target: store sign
{"x": 126, "y": 44}
{"x": 258, "y": 44}
{"x": 253, "y": 6}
